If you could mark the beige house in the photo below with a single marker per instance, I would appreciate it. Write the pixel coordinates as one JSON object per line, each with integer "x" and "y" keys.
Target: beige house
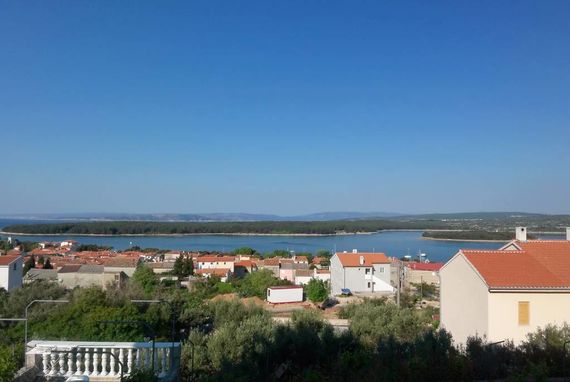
{"x": 71, "y": 276}
{"x": 507, "y": 293}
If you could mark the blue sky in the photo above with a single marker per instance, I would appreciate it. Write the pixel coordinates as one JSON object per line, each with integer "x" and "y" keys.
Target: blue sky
{"x": 284, "y": 106}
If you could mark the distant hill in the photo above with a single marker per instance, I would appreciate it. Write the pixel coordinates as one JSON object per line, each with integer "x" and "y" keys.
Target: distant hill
{"x": 205, "y": 217}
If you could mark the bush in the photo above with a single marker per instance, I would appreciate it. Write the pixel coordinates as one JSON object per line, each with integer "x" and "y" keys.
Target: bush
{"x": 8, "y": 365}
{"x": 317, "y": 290}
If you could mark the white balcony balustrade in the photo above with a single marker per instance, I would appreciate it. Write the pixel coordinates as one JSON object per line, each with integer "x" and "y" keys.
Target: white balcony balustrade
{"x": 103, "y": 360}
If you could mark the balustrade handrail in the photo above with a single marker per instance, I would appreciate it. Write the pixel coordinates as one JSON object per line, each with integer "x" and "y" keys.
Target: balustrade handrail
{"x": 103, "y": 359}
{"x": 94, "y": 344}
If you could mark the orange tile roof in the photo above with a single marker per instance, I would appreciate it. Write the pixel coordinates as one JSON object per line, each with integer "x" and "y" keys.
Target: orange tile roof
{"x": 8, "y": 259}
{"x": 353, "y": 259}
{"x": 301, "y": 259}
{"x": 273, "y": 261}
{"x": 244, "y": 263}
{"x": 213, "y": 271}
{"x": 539, "y": 264}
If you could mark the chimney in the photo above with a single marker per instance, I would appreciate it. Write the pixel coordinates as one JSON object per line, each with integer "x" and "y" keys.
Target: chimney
{"x": 355, "y": 251}
{"x": 521, "y": 233}
{"x": 568, "y": 233}
{"x": 361, "y": 260}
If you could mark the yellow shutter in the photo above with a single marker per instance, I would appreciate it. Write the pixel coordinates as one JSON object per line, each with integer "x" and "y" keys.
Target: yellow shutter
{"x": 524, "y": 313}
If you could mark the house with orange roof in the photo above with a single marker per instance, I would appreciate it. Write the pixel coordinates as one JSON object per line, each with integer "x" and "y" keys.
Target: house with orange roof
{"x": 360, "y": 272}
{"x": 222, "y": 273}
{"x": 507, "y": 293}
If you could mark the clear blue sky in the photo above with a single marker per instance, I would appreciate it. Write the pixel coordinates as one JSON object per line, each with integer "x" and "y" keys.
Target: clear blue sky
{"x": 284, "y": 106}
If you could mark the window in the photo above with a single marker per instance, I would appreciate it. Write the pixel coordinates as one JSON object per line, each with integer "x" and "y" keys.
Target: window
{"x": 524, "y": 313}
{"x": 15, "y": 265}
{"x": 367, "y": 271}
{"x": 381, "y": 269}
{"x": 368, "y": 284}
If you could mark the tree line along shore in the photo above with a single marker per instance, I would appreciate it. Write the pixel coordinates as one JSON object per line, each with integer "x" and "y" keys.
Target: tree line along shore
{"x": 188, "y": 228}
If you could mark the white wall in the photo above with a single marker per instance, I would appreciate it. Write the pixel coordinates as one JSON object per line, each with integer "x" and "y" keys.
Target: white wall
{"x": 463, "y": 299}
{"x": 11, "y": 275}
{"x": 544, "y": 308}
{"x": 337, "y": 275}
{"x": 276, "y": 296}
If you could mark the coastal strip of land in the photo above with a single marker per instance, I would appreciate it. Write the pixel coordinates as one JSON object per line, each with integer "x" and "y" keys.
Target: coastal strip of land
{"x": 273, "y": 228}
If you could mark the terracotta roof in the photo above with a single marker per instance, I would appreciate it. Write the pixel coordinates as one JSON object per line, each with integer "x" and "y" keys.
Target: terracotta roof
{"x": 323, "y": 271}
{"x": 433, "y": 267}
{"x": 244, "y": 263}
{"x": 273, "y": 261}
{"x": 318, "y": 259}
{"x": 540, "y": 264}
{"x": 302, "y": 259}
{"x": 353, "y": 259}
{"x": 8, "y": 259}
{"x": 213, "y": 259}
{"x": 120, "y": 261}
{"x": 213, "y": 271}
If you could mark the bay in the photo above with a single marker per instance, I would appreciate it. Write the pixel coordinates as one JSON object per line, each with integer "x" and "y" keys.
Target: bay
{"x": 392, "y": 243}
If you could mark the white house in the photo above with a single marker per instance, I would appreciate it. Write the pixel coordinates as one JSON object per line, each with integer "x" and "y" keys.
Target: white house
{"x": 11, "y": 271}
{"x": 284, "y": 293}
{"x": 360, "y": 272}
{"x": 506, "y": 293}
{"x": 213, "y": 262}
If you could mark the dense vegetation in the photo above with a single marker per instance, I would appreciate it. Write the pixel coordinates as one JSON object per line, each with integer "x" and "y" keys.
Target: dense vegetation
{"x": 232, "y": 341}
{"x": 236, "y": 342}
{"x": 265, "y": 227}
{"x": 471, "y": 235}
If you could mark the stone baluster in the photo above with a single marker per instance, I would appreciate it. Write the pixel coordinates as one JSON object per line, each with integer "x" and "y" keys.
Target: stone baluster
{"x": 139, "y": 358}
{"x": 69, "y": 364}
{"x": 61, "y": 360}
{"x": 104, "y": 358}
{"x": 78, "y": 363}
{"x": 53, "y": 364}
{"x": 162, "y": 362}
{"x": 87, "y": 362}
{"x": 45, "y": 362}
{"x": 122, "y": 359}
{"x": 147, "y": 358}
{"x": 156, "y": 359}
{"x": 95, "y": 362}
{"x": 113, "y": 362}
{"x": 130, "y": 361}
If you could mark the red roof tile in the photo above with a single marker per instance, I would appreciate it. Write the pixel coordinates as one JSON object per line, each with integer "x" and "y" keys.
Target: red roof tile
{"x": 213, "y": 271}
{"x": 8, "y": 259}
{"x": 353, "y": 259}
{"x": 539, "y": 264}
{"x": 433, "y": 267}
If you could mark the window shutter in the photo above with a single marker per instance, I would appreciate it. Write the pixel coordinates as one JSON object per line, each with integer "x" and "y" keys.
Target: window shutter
{"x": 524, "y": 313}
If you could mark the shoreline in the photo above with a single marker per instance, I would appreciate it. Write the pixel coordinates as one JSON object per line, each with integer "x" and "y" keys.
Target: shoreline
{"x": 466, "y": 240}
{"x": 186, "y": 234}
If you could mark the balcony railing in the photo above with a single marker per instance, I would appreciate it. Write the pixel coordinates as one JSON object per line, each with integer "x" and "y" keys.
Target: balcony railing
{"x": 104, "y": 360}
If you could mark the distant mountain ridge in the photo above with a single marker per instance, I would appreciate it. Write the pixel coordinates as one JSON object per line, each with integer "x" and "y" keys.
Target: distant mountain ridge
{"x": 249, "y": 217}
{"x": 205, "y": 217}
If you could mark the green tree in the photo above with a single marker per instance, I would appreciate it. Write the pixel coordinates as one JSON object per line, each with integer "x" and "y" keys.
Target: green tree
{"x": 30, "y": 263}
{"x": 317, "y": 290}
{"x": 245, "y": 251}
{"x": 47, "y": 265}
{"x": 8, "y": 365}
{"x": 183, "y": 266}
{"x": 145, "y": 277}
{"x": 256, "y": 283}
